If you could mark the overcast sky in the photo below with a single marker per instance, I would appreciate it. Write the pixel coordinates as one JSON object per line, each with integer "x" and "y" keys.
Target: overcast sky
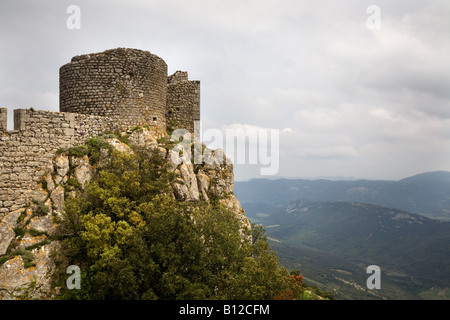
{"x": 347, "y": 100}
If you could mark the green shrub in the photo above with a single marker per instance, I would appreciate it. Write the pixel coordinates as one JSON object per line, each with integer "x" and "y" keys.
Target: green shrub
{"x": 27, "y": 258}
{"x": 19, "y": 232}
{"x": 3, "y": 259}
{"x": 35, "y": 232}
{"x": 133, "y": 240}
{"x": 73, "y": 182}
{"x": 79, "y": 151}
{"x": 41, "y": 209}
{"x": 37, "y": 245}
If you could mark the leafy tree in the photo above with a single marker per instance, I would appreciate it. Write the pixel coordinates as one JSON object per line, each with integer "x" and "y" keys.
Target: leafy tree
{"x": 133, "y": 240}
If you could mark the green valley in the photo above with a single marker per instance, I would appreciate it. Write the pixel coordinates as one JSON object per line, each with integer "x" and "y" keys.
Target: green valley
{"x": 332, "y": 242}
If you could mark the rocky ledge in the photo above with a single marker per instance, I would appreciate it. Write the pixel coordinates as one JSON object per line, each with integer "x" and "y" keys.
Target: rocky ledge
{"x": 26, "y": 242}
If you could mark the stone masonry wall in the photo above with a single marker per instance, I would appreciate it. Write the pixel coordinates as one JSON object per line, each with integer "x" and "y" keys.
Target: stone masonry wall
{"x": 183, "y": 100}
{"x": 26, "y": 152}
{"x": 102, "y": 92}
{"x": 127, "y": 85}
{"x": 3, "y": 119}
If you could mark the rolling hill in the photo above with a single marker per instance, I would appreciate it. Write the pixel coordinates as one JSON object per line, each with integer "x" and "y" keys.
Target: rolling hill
{"x": 332, "y": 230}
{"x": 427, "y": 193}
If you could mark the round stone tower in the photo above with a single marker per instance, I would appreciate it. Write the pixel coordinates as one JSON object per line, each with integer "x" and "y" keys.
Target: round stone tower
{"x": 127, "y": 85}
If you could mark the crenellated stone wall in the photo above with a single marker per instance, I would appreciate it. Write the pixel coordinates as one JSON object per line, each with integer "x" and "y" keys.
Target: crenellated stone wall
{"x": 27, "y": 151}
{"x": 183, "y": 100}
{"x": 3, "y": 119}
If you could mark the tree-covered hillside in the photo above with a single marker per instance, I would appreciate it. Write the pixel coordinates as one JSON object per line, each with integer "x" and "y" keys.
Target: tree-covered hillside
{"x": 427, "y": 193}
{"x": 333, "y": 242}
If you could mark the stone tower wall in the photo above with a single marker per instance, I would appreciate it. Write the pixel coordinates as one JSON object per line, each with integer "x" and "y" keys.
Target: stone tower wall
{"x": 3, "y": 119}
{"x": 103, "y": 92}
{"x": 183, "y": 100}
{"x": 127, "y": 85}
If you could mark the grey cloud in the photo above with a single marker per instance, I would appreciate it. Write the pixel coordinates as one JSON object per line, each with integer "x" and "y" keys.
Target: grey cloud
{"x": 313, "y": 67}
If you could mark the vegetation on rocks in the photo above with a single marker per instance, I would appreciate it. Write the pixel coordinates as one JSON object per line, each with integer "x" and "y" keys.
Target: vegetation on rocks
{"x": 133, "y": 240}
{"x": 116, "y": 208}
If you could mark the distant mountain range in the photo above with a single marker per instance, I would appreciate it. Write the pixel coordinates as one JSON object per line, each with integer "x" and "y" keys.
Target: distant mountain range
{"x": 332, "y": 230}
{"x": 427, "y": 193}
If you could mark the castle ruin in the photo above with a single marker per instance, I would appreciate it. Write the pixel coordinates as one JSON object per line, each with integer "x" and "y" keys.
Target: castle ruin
{"x": 114, "y": 90}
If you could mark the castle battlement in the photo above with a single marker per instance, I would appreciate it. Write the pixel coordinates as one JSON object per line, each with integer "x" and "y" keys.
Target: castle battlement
{"x": 131, "y": 87}
{"x": 102, "y": 92}
{"x": 26, "y": 153}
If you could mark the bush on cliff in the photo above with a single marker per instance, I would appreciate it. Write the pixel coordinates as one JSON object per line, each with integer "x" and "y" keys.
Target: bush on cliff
{"x": 133, "y": 240}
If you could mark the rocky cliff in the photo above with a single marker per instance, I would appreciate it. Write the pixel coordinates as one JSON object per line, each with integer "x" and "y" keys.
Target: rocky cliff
{"x": 27, "y": 241}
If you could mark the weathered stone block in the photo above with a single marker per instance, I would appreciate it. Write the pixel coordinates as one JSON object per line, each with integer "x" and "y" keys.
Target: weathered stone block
{"x": 57, "y": 197}
{"x": 7, "y": 225}
{"x": 61, "y": 164}
{"x": 82, "y": 170}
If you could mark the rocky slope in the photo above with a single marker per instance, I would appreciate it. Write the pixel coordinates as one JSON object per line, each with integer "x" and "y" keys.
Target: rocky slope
{"x": 27, "y": 234}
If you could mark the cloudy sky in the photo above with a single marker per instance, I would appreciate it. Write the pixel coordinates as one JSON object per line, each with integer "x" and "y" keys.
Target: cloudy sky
{"x": 347, "y": 99}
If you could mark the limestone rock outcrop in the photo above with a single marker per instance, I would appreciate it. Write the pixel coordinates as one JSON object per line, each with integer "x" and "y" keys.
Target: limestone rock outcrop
{"x": 26, "y": 233}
